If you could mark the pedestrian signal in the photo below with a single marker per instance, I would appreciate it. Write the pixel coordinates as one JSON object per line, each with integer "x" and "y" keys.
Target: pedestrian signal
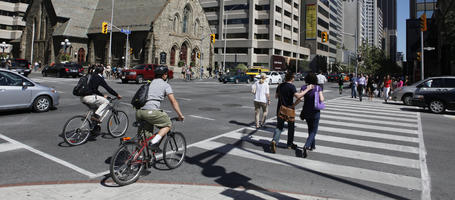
{"x": 198, "y": 55}
{"x": 324, "y": 37}
{"x": 104, "y": 27}
{"x": 423, "y": 22}
{"x": 130, "y": 51}
{"x": 212, "y": 38}
{"x": 419, "y": 58}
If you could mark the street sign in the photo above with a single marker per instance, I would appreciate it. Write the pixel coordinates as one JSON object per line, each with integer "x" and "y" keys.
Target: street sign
{"x": 126, "y": 31}
{"x": 163, "y": 58}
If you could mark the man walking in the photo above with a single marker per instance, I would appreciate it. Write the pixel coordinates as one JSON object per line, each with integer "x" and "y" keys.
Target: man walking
{"x": 353, "y": 86}
{"x": 321, "y": 79}
{"x": 361, "y": 82}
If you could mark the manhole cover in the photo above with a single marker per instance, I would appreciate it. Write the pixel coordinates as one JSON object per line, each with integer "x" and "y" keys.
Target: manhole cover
{"x": 209, "y": 109}
{"x": 232, "y": 105}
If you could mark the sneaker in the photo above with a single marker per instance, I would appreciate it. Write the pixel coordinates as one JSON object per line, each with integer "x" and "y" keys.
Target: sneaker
{"x": 292, "y": 146}
{"x": 273, "y": 147}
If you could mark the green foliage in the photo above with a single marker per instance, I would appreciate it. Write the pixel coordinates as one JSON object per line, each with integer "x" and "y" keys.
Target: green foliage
{"x": 374, "y": 61}
{"x": 181, "y": 63}
{"x": 304, "y": 66}
{"x": 63, "y": 57}
{"x": 241, "y": 67}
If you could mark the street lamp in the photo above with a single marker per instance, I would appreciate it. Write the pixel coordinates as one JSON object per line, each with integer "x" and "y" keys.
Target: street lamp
{"x": 225, "y": 31}
{"x": 65, "y": 44}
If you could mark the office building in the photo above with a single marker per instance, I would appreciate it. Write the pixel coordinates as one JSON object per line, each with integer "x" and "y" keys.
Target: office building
{"x": 353, "y": 12}
{"x": 256, "y": 32}
{"x": 389, "y": 42}
{"x": 11, "y": 24}
{"x": 374, "y": 20}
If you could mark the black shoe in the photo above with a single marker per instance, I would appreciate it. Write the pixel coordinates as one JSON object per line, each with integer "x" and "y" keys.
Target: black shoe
{"x": 156, "y": 148}
{"x": 292, "y": 146}
{"x": 304, "y": 154}
{"x": 273, "y": 147}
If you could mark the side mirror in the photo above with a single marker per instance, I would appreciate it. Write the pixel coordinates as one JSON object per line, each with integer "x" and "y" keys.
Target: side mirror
{"x": 24, "y": 85}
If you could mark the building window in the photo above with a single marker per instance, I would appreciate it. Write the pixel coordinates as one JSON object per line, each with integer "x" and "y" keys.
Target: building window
{"x": 332, "y": 50}
{"x": 237, "y": 7}
{"x": 211, "y": 9}
{"x": 261, "y": 36}
{"x": 277, "y": 52}
{"x": 262, "y": 7}
{"x": 186, "y": 17}
{"x": 277, "y": 23}
{"x": 237, "y": 50}
{"x": 213, "y": 22}
{"x": 323, "y": 11}
{"x": 287, "y": 14}
{"x": 261, "y": 51}
{"x": 278, "y": 37}
{"x": 173, "y": 55}
{"x": 296, "y": 30}
{"x": 294, "y": 42}
{"x": 287, "y": 40}
{"x": 287, "y": 27}
{"x": 237, "y": 35}
{"x": 261, "y": 21}
{"x": 237, "y": 21}
{"x": 296, "y": 5}
{"x": 323, "y": 23}
{"x": 287, "y": 53}
{"x": 288, "y": 2}
{"x": 296, "y": 18}
{"x": 323, "y": 47}
{"x": 278, "y": 9}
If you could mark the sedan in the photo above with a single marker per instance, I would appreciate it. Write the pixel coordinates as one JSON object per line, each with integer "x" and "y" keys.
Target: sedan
{"x": 19, "y": 92}
{"x": 272, "y": 77}
{"x": 63, "y": 70}
{"x": 236, "y": 77}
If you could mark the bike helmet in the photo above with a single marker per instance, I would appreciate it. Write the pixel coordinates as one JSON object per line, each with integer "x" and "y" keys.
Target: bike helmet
{"x": 161, "y": 70}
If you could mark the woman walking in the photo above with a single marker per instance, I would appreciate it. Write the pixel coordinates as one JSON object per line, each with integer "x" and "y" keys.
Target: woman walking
{"x": 387, "y": 84}
{"x": 309, "y": 113}
{"x": 261, "y": 92}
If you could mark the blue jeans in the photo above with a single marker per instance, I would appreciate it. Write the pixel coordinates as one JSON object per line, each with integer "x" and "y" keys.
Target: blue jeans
{"x": 279, "y": 129}
{"x": 313, "y": 124}
{"x": 353, "y": 92}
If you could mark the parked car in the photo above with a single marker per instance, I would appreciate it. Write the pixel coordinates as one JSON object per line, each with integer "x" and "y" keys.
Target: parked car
{"x": 272, "y": 77}
{"x": 282, "y": 74}
{"x": 438, "y": 94}
{"x": 405, "y": 93}
{"x": 18, "y": 92}
{"x": 63, "y": 70}
{"x": 20, "y": 66}
{"x": 236, "y": 77}
{"x": 141, "y": 72}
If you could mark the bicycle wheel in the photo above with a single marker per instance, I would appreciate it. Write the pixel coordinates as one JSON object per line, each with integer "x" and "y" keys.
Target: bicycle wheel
{"x": 117, "y": 124}
{"x": 76, "y": 130}
{"x": 127, "y": 164}
{"x": 174, "y": 150}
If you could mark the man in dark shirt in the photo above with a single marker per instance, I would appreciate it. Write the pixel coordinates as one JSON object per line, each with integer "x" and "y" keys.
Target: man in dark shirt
{"x": 96, "y": 98}
{"x": 285, "y": 94}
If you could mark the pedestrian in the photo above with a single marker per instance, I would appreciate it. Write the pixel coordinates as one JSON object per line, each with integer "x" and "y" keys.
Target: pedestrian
{"x": 202, "y": 73}
{"x": 260, "y": 90}
{"x": 353, "y": 86}
{"x": 309, "y": 113}
{"x": 387, "y": 84}
{"x": 360, "y": 85}
{"x": 370, "y": 87}
{"x": 406, "y": 81}
{"x": 108, "y": 71}
{"x": 400, "y": 83}
{"x": 209, "y": 69}
{"x": 188, "y": 74}
{"x": 321, "y": 79}
{"x": 36, "y": 66}
{"x": 340, "y": 84}
{"x": 285, "y": 94}
{"x": 183, "y": 73}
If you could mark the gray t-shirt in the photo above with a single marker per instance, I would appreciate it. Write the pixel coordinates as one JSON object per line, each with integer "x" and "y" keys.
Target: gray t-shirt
{"x": 158, "y": 90}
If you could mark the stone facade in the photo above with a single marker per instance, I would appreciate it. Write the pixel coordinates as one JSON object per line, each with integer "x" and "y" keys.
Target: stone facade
{"x": 179, "y": 29}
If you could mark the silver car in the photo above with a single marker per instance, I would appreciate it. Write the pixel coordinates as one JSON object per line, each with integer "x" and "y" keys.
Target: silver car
{"x": 405, "y": 93}
{"x": 18, "y": 92}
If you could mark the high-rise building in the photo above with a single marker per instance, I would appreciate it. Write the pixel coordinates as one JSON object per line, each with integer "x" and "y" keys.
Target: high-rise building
{"x": 354, "y": 25}
{"x": 336, "y": 27}
{"x": 373, "y": 23}
{"x": 255, "y": 32}
{"x": 389, "y": 42}
{"x": 11, "y": 23}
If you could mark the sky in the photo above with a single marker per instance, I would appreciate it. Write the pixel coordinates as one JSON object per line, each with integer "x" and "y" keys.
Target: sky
{"x": 402, "y": 15}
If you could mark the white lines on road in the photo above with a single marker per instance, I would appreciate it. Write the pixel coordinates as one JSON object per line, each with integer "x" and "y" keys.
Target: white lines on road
{"x": 199, "y": 117}
{"x": 450, "y": 116}
{"x": 373, "y": 121}
{"x": 366, "y": 116}
{"x": 425, "y": 176}
{"x": 48, "y": 156}
{"x": 9, "y": 147}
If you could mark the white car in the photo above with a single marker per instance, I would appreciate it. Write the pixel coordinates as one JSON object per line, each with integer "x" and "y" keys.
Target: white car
{"x": 272, "y": 77}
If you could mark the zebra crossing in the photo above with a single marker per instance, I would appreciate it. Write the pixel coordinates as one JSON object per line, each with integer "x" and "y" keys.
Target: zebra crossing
{"x": 352, "y": 132}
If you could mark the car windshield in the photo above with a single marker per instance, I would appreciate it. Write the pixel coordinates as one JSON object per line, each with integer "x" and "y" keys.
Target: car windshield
{"x": 139, "y": 67}
{"x": 253, "y": 70}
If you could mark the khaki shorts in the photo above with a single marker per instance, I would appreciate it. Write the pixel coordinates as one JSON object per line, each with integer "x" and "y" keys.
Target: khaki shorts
{"x": 156, "y": 118}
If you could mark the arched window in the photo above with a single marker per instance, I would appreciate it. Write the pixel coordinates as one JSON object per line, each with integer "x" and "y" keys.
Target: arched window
{"x": 186, "y": 18}
{"x": 175, "y": 25}
{"x": 196, "y": 27}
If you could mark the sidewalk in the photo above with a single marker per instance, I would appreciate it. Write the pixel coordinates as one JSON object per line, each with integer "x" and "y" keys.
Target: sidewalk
{"x": 96, "y": 191}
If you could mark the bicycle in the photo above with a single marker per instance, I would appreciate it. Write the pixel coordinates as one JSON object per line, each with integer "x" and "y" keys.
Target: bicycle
{"x": 135, "y": 154}
{"x": 78, "y": 128}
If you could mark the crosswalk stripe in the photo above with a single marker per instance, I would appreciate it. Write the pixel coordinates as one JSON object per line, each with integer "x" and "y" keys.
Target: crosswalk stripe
{"x": 368, "y": 116}
{"x": 356, "y": 142}
{"x": 372, "y": 110}
{"x": 375, "y": 121}
{"x": 318, "y": 166}
{"x": 373, "y": 157}
{"x": 348, "y": 110}
{"x": 365, "y": 134}
{"x": 358, "y": 125}
{"x": 9, "y": 147}
{"x": 362, "y": 105}
{"x": 367, "y": 101}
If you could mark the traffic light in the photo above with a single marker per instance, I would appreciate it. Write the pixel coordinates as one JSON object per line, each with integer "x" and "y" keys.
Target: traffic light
{"x": 419, "y": 58}
{"x": 423, "y": 22}
{"x": 130, "y": 51}
{"x": 104, "y": 27}
{"x": 198, "y": 55}
{"x": 324, "y": 37}
{"x": 212, "y": 38}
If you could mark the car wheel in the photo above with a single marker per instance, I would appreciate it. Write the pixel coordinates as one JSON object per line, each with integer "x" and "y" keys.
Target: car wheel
{"x": 407, "y": 99}
{"x": 139, "y": 79}
{"x": 42, "y": 104}
{"x": 124, "y": 81}
{"x": 437, "y": 106}
{"x": 236, "y": 81}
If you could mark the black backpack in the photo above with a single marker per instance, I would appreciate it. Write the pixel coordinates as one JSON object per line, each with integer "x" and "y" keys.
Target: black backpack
{"x": 81, "y": 88}
{"x": 140, "y": 98}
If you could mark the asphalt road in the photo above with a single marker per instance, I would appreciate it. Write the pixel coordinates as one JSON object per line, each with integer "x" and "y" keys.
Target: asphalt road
{"x": 366, "y": 150}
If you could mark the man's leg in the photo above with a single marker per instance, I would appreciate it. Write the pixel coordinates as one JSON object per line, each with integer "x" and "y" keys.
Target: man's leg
{"x": 265, "y": 109}
{"x": 103, "y": 103}
{"x": 291, "y": 127}
{"x": 257, "y": 108}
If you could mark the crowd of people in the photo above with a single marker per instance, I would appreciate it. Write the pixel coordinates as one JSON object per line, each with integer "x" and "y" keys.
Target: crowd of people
{"x": 374, "y": 86}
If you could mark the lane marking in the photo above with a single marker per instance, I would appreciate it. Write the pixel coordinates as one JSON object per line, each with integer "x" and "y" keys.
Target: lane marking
{"x": 9, "y": 147}
{"x": 347, "y": 110}
{"x": 379, "y": 110}
{"x": 372, "y": 157}
{"x": 357, "y": 125}
{"x": 424, "y": 174}
{"x": 318, "y": 166}
{"x": 360, "y": 105}
{"x": 376, "y": 121}
{"x": 199, "y": 117}
{"x": 367, "y": 116}
{"x": 48, "y": 156}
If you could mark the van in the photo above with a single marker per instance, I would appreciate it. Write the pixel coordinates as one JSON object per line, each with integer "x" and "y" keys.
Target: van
{"x": 253, "y": 71}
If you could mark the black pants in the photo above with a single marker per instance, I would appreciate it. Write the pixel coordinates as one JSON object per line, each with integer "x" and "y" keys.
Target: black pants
{"x": 279, "y": 129}
{"x": 360, "y": 91}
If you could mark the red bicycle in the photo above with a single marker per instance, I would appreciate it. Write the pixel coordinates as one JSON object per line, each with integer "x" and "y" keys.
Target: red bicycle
{"x": 134, "y": 154}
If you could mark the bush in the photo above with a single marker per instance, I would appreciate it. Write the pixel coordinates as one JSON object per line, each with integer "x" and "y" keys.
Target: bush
{"x": 181, "y": 63}
{"x": 241, "y": 67}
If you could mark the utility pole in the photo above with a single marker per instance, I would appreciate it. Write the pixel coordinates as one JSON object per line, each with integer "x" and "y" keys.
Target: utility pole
{"x": 33, "y": 41}
{"x": 356, "y": 37}
{"x": 225, "y": 34}
{"x": 110, "y": 37}
{"x": 127, "y": 49}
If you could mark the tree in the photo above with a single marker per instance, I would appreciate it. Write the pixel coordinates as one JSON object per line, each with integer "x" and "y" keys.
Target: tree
{"x": 241, "y": 67}
{"x": 374, "y": 61}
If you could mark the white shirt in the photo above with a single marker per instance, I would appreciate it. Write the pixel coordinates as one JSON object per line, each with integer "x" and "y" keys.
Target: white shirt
{"x": 261, "y": 91}
{"x": 321, "y": 79}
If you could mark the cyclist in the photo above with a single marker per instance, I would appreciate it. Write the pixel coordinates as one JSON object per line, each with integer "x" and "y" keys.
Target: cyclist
{"x": 96, "y": 98}
{"x": 151, "y": 112}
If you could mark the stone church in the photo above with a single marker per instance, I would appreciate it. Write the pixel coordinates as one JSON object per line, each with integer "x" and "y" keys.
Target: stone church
{"x": 162, "y": 31}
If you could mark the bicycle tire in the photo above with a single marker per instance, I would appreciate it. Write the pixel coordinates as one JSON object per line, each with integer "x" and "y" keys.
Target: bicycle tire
{"x": 114, "y": 122}
{"x": 175, "y": 144}
{"x": 120, "y": 167}
{"x": 80, "y": 134}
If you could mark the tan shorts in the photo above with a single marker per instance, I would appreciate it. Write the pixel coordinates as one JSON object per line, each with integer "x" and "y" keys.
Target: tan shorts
{"x": 156, "y": 118}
